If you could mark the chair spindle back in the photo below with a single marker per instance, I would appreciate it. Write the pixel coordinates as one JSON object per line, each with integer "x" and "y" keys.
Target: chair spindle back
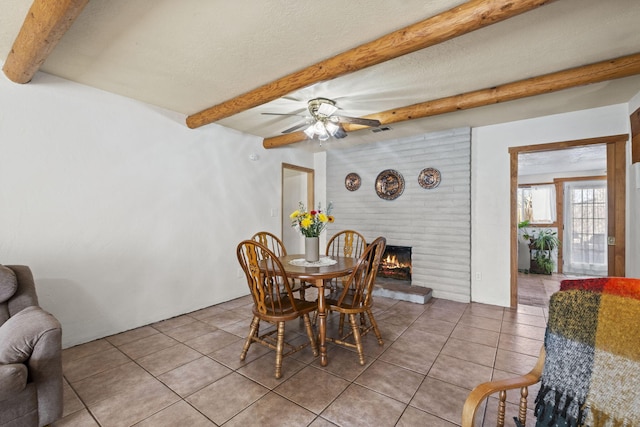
{"x": 266, "y": 278}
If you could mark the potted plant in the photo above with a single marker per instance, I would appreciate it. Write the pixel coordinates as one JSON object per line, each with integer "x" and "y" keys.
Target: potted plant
{"x": 523, "y": 242}
{"x": 542, "y": 245}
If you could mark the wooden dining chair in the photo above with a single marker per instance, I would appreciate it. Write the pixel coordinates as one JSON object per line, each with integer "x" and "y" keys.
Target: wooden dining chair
{"x": 273, "y": 302}
{"x": 345, "y": 243}
{"x": 355, "y": 298}
{"x": 275, "y": 245}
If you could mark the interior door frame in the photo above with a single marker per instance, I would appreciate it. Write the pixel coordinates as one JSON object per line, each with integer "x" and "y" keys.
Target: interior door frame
{"x": 616, "y": 195}
{"x": 310, "y": 190}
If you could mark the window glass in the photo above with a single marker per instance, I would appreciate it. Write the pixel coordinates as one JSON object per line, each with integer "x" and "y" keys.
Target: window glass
{"x": 537, "y": 204}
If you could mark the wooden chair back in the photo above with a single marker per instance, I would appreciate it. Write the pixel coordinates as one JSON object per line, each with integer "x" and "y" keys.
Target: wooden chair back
{"x": 271, "y": 241}
{"x": 267, "y": 280}
{"x": 347, "y": 243}
{"x": 359, "y": 285}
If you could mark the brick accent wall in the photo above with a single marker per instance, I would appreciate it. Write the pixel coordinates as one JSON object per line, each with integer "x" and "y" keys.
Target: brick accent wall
{"x": 436, "y": 223}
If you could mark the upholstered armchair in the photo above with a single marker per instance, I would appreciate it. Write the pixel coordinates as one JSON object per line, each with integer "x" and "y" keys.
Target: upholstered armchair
{"x": 30, "y": 354}
{"x": 589, "y": 367}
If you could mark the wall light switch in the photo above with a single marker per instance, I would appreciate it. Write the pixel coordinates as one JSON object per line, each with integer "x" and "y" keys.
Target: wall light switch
{"x": 478, "y": 276}
{"x": 274, "y": 212}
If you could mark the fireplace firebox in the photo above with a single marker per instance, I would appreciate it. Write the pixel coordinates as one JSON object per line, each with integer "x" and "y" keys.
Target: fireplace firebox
{"x": 396, "y": 264}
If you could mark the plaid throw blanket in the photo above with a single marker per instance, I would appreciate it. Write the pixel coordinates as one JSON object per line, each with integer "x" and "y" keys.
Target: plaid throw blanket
{"x": 591, "y": 375}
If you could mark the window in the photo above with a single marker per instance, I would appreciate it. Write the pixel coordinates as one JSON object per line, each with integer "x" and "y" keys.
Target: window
{"x": 537, "y": 204}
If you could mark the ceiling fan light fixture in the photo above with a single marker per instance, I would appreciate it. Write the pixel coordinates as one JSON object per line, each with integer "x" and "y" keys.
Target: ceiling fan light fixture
{"x": 323, "y": 137}
{"x": 326, "y": 109}
{"x": 332, "y": 128}
{"x": 321, "y": 131}
{"x": 310, "y": 132}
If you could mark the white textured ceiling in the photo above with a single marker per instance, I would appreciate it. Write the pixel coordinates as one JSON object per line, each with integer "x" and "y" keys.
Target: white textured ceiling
{"x": 588, "y": 158}
{"x": 188, "y": 55}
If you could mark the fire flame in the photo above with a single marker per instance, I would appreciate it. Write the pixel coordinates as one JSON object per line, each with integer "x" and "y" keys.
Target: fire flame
{"x": 391, "y": 261}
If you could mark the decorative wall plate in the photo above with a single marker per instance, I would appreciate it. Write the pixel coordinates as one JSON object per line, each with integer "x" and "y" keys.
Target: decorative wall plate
{"x": 429, "y": 178}
{"x": 352, "y": 181}
{"x": 389, "y": 184}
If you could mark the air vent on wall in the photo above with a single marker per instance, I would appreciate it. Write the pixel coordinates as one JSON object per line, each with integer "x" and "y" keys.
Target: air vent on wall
{"x": 381, "y": 129}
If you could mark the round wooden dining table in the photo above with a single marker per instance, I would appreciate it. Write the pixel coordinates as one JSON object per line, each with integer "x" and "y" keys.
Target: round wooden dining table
{"x": 317, "y": 275}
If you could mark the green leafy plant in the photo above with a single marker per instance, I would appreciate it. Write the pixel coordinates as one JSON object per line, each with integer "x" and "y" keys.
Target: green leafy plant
{"x": 544, "y": 265}
{"x": 544, "y": 243}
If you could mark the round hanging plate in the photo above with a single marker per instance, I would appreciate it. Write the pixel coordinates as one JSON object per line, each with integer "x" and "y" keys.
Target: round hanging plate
{"x": 352, "y": 181}
{"x": 429, "y": 178}
{"x": 389, "y": 184}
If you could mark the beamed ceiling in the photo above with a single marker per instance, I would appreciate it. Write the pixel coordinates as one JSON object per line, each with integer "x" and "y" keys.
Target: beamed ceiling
{"x": 416, "y": 66}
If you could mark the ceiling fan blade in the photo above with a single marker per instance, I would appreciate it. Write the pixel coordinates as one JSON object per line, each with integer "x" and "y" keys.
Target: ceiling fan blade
{"x": 282, "y": 114}
{"x": 358, "y": 121}
{"x": 296, "y": 127}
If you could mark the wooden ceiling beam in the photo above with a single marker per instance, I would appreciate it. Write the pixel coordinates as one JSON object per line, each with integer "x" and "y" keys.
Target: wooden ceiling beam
{"x": 470, "y": 16}
{"x": 593, "y": 73}
{"x": 43, "y": 27}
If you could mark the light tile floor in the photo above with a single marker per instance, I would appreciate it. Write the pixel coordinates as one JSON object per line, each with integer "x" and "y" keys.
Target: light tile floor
{"x": 536, "y": 289}
{"x": 186, "y": 371}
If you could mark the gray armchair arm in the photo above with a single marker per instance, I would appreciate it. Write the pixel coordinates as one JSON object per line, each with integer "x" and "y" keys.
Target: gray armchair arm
{"x": 33, "y": 338}
{"x": 13, "y": 379}
{"x": 45, "y": 369}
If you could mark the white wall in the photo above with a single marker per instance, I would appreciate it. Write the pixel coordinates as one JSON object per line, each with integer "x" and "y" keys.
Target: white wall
{"x": 633, "y": 210}
{"x": 490, "y": 182}
{"x": 124, "y": 214}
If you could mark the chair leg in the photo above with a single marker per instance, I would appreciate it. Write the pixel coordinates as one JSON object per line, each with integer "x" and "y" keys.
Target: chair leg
{"x": 301, "y": 290}
{"x": 356, "y": 336}
{"x": 310, "y": 334}
{"x": 502, "y": 398}
{"x": 279, "y": 349}
{"x": 341, "y": 324}
{"x": 253, "y": 332}
{"x": 522, "y": 411}
{"x": 374, "y": 325}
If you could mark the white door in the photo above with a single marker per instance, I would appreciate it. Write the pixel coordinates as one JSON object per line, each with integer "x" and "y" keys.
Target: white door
{"x": 585, "y": 228}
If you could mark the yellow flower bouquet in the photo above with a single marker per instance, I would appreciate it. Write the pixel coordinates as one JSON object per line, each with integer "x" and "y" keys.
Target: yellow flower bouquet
{"x": 313, "y": 222}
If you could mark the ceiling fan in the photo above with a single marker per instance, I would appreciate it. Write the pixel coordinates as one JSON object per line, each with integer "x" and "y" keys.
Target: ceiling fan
{"x": 323, "y": 123}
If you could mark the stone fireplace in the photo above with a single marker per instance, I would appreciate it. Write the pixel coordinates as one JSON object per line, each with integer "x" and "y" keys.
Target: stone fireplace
{"x": 394, "y": 276}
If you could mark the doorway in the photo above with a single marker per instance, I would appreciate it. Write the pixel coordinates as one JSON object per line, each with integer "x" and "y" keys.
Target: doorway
{"x": 297, "y": 186}
{"x": 616, "y": 181}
